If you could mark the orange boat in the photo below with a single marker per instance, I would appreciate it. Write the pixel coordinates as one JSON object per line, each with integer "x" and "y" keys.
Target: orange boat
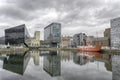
{"x": 89, "y": 48}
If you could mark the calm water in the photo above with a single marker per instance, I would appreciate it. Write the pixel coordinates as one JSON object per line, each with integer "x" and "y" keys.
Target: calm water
{"x": 59, "y": 65}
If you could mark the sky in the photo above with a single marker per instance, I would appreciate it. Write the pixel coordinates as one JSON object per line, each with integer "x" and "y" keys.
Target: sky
{"x": 75, "y": 16}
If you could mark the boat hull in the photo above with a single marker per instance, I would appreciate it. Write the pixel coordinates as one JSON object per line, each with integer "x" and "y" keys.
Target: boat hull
{"x": 90, "y": 48}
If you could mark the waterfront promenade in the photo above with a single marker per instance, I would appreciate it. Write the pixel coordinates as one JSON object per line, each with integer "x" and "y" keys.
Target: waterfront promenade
{"x": 11, "y": 50}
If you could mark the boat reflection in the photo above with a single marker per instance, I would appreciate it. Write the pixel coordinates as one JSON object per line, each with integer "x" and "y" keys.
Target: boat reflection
{"x": 82, "y": 58}
{"x": 16, "y": 63}
{"x": 52, "y": 63}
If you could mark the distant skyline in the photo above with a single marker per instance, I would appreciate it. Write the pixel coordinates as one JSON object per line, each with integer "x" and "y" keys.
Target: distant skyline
{"x": 88, "y": 16}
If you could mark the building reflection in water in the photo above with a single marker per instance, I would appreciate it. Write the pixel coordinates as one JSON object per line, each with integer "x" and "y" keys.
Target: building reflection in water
{"x": 108, "y": 62}
{"x": 112, "y": 62}
{"x": 116, "y": 67}
{"x": 65, "y": 55}
{"x": 82, "y": 58}
{"x": 35, "y": 55}
{"x": 16, "y": 63}
{"x": 52, "y": 63}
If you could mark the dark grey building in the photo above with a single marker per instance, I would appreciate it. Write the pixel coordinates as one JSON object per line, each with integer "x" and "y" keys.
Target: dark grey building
{"x": 52, "y": 34}
{"x": 52, "y": 63}
{"x": 79, "y": 39}
{"x": 115, "y": 33}
{"x": 16, "y": 35}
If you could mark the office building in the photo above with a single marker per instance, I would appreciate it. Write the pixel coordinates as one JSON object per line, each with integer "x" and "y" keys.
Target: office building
{"x": 66, "y": 41}
{"x": 16, "y": 35}
{"x": 115, "y": 33}
{"x": 102, "y": 41}
{"x": 79, "y": 39}
{"x": 52, "y": 35}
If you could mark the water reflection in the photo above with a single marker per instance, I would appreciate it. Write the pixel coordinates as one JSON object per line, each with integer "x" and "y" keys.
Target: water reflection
{"x": 65, "y": 55}
{"x": 52, "y": 63}
{"x": 108, "y": 62}
{"x": 83, "y": 58}
{"x": 63, "y": 65}
{"x": 16, "y": 63}
{"x": 116, "y": 67}
{"x": 35, "y": 54}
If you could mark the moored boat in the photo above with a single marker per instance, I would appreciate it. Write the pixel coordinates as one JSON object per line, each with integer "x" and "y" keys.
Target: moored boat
{"x": 89, "y": 48}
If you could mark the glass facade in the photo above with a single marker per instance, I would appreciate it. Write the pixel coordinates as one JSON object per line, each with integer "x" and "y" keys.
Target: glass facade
{"x": 16, "y": 35}
{"x": 115, "y": 33}
{"x": 52, "y": 34}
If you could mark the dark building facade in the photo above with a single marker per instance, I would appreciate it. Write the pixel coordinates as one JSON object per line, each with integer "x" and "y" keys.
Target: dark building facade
{"x": 115, "y": 33}
{"x": 16, "y": 35}
{"x": 52, "y": 34}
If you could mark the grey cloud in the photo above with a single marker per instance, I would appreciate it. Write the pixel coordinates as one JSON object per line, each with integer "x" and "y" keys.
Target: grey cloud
{"x": 111, "y": 10}
{"x": 40, "y": 25}
{"x": 57, "y": 4}
{"x": 15, "y": 13}
{"x": 3, "y": 27}
{"x": 79, "y": 13}
{"x": 31, "y": 5}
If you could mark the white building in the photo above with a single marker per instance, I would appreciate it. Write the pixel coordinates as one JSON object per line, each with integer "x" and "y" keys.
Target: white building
{"x": 35, "y": 41}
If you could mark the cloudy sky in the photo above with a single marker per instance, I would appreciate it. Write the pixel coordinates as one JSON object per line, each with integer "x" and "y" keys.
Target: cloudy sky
{"x": 88, "y": 16}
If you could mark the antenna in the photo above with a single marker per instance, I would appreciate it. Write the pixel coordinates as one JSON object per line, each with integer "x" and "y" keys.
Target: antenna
{"x": 97, "y": 37}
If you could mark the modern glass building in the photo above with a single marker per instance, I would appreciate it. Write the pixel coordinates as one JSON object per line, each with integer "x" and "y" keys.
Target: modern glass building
{"x": 52, "y": 34}
{"x": 115, "y": 33}
{"x": 16, "y": 35}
